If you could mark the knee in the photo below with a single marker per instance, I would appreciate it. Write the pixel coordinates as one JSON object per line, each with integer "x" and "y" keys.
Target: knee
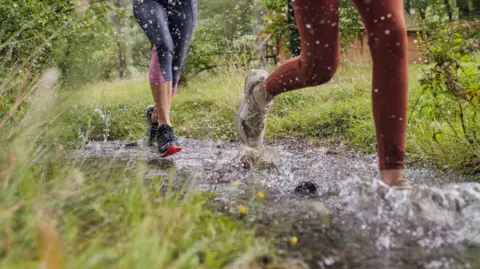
{"x": 320, "y": 72}
{"x": 164, "y": 48}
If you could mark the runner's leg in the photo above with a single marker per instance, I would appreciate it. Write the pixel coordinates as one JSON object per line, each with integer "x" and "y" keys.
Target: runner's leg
{"x": 182, "y": 20}
{"x": 385, "y": 24}
{"x": 153, "y": 18}
{"x": 317, "y": 22}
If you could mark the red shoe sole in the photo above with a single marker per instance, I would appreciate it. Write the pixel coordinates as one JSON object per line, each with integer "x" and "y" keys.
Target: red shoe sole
{"x": 172, "y": 149}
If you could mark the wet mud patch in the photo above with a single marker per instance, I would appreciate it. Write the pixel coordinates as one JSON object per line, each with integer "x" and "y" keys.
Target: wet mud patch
{"x": 325, "y": 197}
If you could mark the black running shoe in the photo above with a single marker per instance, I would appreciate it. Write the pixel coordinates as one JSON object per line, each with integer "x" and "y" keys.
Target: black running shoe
{"x": 151, "y": 127}
{"x": 166, "y": 141}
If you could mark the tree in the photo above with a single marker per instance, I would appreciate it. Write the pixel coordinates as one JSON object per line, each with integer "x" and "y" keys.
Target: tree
{"x": 294, "y": 36}
{"x": 37, "y": 34}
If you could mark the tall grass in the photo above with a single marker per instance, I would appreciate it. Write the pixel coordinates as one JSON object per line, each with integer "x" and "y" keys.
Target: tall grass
{"x": 57, "y": 213}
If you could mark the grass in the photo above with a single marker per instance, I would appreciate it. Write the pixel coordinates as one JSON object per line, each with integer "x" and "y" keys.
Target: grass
{"x": 58, "y": 213}
{"x": 206, "y": 107}
{"x": 71, "y": 218}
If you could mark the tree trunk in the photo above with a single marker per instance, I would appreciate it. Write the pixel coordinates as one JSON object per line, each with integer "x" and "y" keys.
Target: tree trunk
{"x": 294, "y": 36}
{"x": 120, "y": 61}
{"x": 118, "y": 28}
{"x": 262, "y": 53}
{"x": 464, "y": 7}
{"x": 423, "y": 14}
{"x": 448, "y": 6}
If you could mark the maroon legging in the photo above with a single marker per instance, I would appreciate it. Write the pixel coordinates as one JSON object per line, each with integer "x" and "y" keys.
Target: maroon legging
{"x": 317, "y": 21}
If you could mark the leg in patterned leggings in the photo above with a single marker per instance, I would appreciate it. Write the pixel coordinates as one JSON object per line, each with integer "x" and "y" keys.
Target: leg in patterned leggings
{"x": 169, "y": 26}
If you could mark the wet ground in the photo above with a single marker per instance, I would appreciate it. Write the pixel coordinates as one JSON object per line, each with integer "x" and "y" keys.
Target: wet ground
{"x": 329, "y": 199}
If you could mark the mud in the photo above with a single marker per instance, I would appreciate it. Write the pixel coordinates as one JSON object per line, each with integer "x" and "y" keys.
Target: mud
{"x": 329, "y": 198}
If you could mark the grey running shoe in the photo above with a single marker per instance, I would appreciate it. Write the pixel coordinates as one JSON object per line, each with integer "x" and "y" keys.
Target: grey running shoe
{"x": 252, "y": 116}
{"x": 151, "y": 127}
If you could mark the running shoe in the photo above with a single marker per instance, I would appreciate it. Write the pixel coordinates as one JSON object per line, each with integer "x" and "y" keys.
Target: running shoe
{"x": 252, "y": 115}
{"x": 151, "y": 135}
{"x": 166, "y": 141}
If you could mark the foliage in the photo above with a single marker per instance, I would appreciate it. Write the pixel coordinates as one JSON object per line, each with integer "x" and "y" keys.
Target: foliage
{"x": 433, "y": 11}
{"x": 349, "y": 22}
{"x": 224, "y": 36}
{"x": 40, "y": 34}
{"x": 61, "y": 212}
{"x": 452, "y": 81}
{"x": 276, "y": 17}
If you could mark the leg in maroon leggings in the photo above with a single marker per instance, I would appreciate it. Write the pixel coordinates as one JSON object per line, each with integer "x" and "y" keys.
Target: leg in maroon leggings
{"x": 318, "y": 28}
{"x": 317, "y": 22}
{"x": 385, "y": 24}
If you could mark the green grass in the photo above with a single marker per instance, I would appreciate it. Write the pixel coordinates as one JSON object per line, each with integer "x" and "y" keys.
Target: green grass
{"x": 59, "y": 213}
{"x": 64, "y": 214}
{"x": 91, "y": 222}
{"x": 206, "y": 107}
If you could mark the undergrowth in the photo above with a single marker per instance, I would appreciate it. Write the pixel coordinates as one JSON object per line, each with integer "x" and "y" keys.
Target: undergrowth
{"x": 62, "y": 212}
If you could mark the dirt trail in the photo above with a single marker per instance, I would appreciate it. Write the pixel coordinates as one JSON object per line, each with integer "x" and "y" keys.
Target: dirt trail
{"x": 344, "y": 217}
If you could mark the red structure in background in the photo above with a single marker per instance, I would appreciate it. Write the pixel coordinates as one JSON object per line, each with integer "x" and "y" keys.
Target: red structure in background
{"x": 358, "y": 51}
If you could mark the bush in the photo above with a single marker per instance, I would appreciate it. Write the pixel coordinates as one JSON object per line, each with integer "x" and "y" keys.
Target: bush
{"x": 451, "y": 84}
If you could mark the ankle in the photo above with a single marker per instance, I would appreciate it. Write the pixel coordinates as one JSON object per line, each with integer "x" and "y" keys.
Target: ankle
{"x": 392, "y": 176}
{"x": 262, "y": 97}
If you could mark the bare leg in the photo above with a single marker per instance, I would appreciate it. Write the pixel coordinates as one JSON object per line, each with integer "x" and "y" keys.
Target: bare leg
{"x": 162, "y": 95}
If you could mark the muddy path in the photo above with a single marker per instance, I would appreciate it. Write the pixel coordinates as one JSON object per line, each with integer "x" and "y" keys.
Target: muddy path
{"x": 343, "y": 217}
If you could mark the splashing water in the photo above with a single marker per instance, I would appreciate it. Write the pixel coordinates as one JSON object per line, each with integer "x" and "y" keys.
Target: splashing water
{"x": 353, "y": 219}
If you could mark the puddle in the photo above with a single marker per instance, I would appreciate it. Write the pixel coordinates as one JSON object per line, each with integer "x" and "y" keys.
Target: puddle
{"x": 329, "y": 199}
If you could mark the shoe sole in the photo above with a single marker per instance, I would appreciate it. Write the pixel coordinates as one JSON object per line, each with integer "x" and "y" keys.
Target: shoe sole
{"x": 172, "y": 149}
{"x": 239, "y": 128}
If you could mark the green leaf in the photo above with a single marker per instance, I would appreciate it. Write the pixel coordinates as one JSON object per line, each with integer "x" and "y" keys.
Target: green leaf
{"x": 437, "y": 136}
